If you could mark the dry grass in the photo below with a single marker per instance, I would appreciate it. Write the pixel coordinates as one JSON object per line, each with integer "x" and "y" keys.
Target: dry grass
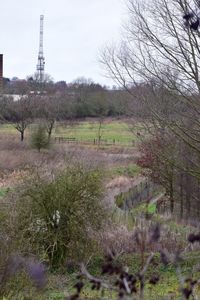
{"x": 119, "y": 182}
{"x": 116, "y": 239}
{"x": 17, "y": 159}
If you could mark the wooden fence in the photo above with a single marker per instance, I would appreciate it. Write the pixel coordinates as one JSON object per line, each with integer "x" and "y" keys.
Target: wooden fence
{"x": 144, "y": 191}
{"x": 73, "y": 140}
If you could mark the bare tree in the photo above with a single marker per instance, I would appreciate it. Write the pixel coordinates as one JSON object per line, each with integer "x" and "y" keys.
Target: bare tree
{"x": 158, "y": 63}
{"x": 21, "y": 112}
{"x": 156, "y": 39}
{"x": 47, "y": 108}
{"x": 159, "y": 49}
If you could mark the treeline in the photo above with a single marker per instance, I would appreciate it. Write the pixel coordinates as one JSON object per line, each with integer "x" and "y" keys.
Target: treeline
{"x": 79, "y": 99}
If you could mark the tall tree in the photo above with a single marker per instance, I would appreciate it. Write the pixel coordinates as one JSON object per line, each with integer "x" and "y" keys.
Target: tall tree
{"x": 160, "y": 55}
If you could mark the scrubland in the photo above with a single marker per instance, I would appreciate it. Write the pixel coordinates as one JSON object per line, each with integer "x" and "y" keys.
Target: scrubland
{"x": 128, "y": 237}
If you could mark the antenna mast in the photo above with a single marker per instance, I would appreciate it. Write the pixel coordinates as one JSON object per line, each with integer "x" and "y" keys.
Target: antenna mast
{"x": 41, "y": 62}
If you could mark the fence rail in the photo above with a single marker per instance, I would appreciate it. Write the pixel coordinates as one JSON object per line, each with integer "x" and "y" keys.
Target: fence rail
{"x": 144, "y": 191}
{"x": 111, "y": 142}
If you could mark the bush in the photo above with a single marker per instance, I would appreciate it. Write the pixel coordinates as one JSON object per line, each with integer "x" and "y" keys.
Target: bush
{"x": 39, "y": 138}
{"x": 55, "y": 216}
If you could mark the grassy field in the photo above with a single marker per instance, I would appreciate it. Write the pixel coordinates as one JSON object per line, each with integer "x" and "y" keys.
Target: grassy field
{"x": 7, "y": 129}
{"x": 113, "y": 131}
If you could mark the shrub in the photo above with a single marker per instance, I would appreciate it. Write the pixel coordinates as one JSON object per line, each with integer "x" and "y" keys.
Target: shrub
{"x": 56, "y": 215}
{"x": 39, "y": 138}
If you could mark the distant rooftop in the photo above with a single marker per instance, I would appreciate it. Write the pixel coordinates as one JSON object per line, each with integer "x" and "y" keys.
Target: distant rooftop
{"x": 14, "y": 96}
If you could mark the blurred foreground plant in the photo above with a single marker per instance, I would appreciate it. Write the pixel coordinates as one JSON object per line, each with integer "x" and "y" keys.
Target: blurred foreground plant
{"x": 123, "y": 284}
{"x": 14, "y": 268}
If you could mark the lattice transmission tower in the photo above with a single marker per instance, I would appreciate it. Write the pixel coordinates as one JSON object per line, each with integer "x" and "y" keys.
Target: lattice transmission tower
{"x": 41, "y": 61}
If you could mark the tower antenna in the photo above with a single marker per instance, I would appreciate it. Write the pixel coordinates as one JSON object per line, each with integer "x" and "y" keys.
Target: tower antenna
{"x": 41, "y": 62}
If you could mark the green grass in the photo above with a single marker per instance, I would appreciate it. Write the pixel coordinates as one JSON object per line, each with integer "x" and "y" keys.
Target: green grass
{"x": 88, "y": 131}
{"x": 130, "y": 170}
{"x": 3, "y": 191}
{"x": 117, "y": 131}
{"x": 7, "y": 129}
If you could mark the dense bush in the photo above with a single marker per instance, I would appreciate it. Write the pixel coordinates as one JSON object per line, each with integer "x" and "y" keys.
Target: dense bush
{"x": 55, "y": 216}
{"x": 39, "y": 138}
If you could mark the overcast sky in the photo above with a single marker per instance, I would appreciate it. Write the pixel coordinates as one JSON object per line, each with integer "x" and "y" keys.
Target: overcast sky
{"x": 74, "y": 33}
